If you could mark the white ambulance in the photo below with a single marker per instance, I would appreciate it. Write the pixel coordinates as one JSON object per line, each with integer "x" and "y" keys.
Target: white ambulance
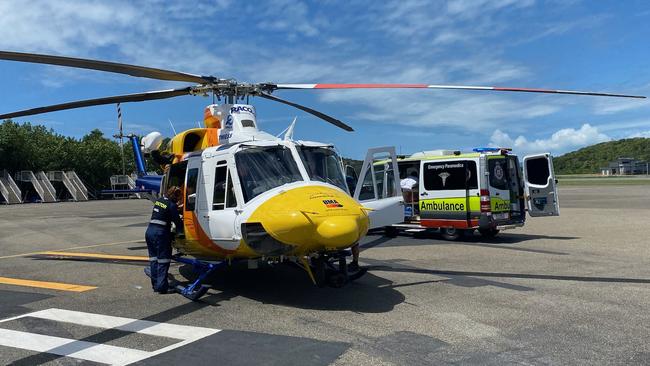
{"x": 457, "y": 193}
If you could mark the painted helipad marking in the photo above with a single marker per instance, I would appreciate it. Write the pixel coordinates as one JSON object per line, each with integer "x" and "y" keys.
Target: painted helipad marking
{"x": 69, "y": 347}
{"x": 96, "y": 352}
{"x": 96, "y": 255}
{"x": 44, "y": 284}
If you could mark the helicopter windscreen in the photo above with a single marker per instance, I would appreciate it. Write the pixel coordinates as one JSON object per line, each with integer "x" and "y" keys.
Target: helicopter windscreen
{"x": 323, "y": 164}
{"x": 263, "y": 168}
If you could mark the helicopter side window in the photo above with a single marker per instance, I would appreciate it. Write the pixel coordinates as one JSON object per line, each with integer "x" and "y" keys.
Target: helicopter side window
{"x": 231, "y": 201}
{"x": 247, "y": 123}
{"x": 176, "y": 174}
{"x": 224, "y": 194}
{"x": 190, "y": 189}
{"x": 263, "y": 168}
{"x": 219, "y": 198}
{"x": 323, "y": 165}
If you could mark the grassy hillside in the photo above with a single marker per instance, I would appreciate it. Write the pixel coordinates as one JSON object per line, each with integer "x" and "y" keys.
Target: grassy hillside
{"x": 590, "y": 159}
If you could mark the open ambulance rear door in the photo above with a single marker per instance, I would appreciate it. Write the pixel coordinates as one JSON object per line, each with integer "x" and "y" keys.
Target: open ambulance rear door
{"x": 541, "y": 190}
{"x": 378, "y": 187}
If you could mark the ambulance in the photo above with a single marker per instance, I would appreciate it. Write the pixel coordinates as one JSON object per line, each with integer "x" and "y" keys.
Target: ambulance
{"x": 487, "y": 189}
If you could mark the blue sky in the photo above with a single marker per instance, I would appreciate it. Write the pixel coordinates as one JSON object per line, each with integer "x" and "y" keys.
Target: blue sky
{"x": 580, "y": 45}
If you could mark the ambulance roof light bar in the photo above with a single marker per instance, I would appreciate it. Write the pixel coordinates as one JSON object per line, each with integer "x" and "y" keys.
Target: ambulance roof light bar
{"x": 503, "y": 150}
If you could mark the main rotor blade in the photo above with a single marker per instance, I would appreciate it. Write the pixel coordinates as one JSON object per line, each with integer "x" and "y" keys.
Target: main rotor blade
{"x": 316, "y": 113}
{"x": 138, "y": 97}
{"x": 133, "y": 70}
{"x": 458, "y": 87}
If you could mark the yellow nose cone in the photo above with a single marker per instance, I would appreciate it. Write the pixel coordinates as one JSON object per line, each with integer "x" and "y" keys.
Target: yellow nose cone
{"x": 338, "y": 231}
{"x": 313, "y": 218}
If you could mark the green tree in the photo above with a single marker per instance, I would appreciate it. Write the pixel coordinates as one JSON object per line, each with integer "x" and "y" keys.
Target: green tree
{"x": 590, "y": 159}
{"x": 94, "y": 157}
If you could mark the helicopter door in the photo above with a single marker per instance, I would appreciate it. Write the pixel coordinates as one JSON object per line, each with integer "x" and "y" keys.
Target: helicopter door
{"x": 541, "y": 190}
{"x": 379, "y": 187}
{"x": 222, "y": 212}
{"x": 191, "y": 199}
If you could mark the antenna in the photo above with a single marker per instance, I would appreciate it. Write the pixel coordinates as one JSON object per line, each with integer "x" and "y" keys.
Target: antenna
{"x": 121, "y": 135}
{"x": 289, "y": 135}
{"x": 171, "y": 124}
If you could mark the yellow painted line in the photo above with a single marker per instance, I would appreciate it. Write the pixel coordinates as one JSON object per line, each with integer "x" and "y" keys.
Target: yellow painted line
{"x": 44, "y": 284}
{"x": 96, "y": 255}
{"x": 74, "y": 248}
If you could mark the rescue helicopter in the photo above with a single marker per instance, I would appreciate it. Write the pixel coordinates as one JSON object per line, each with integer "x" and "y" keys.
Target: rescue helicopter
{"x": 252, "y": 196}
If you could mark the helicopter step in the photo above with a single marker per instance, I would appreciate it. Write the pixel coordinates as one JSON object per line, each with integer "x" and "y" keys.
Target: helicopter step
{"x": 204, "y": 269}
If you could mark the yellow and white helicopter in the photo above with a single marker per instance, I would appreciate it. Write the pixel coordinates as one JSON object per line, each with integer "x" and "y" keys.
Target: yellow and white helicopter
{"x": 249, "y": 195}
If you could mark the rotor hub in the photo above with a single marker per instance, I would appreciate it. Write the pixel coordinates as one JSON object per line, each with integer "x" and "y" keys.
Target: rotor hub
{"x": 232, "y": 88}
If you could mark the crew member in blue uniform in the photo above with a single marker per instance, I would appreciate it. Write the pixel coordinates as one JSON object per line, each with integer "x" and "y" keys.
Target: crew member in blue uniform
{"x": 159, "y": 237}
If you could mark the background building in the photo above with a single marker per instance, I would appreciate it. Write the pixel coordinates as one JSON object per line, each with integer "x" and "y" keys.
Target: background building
{"x": 625, "y": 166}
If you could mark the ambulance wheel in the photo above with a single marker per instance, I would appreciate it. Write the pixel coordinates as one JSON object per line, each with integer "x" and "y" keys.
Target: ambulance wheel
{"x": 391, "y": 231}
{"x": 488, "y": 233}
{"x": 451, "y": 233}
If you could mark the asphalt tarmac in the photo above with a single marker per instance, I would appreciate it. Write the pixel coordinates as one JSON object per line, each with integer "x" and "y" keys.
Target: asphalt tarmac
{"x": 572, "y": 289}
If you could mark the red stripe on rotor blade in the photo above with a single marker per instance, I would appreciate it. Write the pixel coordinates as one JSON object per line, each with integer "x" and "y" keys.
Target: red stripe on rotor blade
{"x": 369, "y": 86}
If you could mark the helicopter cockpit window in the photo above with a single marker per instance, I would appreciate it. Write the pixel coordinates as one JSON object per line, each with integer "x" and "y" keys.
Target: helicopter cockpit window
{"x": 323, "y": 164}
{"x": 263, "y": 168}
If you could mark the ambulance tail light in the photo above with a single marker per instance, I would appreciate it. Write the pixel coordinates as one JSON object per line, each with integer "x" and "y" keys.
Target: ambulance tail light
{"x": 485, "y": 200}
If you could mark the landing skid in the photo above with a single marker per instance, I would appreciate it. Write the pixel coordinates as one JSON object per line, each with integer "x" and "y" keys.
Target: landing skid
{"x": 331, "y": 269}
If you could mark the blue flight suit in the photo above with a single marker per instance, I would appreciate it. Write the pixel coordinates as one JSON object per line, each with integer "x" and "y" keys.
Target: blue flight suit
{"x": 159, "y": 239}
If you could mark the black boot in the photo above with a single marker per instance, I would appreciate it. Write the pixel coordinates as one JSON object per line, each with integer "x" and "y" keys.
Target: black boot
{"x": 353, "y": 266}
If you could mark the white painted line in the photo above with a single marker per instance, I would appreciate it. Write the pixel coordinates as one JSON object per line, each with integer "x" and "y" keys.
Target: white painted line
{"x": 182, "y": 332}
{"x": 94, "y": 351}
{"x": 72, "y": 348}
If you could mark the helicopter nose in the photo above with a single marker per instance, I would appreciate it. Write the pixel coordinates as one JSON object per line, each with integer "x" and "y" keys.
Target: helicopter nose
{"x": 310, "y": 218}
{"x": 337, "y": 231}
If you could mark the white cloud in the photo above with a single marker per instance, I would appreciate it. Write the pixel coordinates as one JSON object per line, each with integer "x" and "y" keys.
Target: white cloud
{"x": 410, "y": 41}
{"x": 458, "y": 20}
{"x": 612, "y": 106}
{"x": 645, "y": 134}
{"x": 289, "y": 16}
{"x": 560, "y": 142}
{"x": 141, "y": 33}
{"x": 562, "y": 27}
{"x": 62, "y": 26}
{"x": 624, "y": 126}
